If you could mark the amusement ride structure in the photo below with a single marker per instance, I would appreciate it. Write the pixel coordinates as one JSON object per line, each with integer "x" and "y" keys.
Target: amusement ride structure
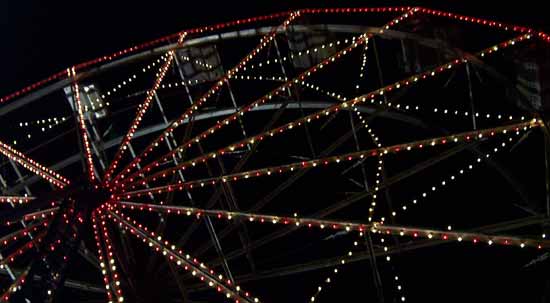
{"x": 278, "y": 158}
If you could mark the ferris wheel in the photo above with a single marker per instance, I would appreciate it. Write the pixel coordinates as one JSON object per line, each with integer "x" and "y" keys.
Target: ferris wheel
{"x": 277, "y": 158}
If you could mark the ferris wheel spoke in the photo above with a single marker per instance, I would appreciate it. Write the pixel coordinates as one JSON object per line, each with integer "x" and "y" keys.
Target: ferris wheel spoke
{"x": 40, "y": 214}
{"x": 16, "y": 199}
{"x": 201, "y": 100}
{"x": 343, "y": 158}
{"x": 49, "y": 175}
{"x": 189, "y": 263}
{"x": 474, "y": 237}
{"x": 24, "y": 212}
{"x": 15, "y": 285}
{"x": 26, "y": 246}
{"x": 142, "y": 109}
{"x": 84, "y": 140}
{"x": 234, "y": 216}
{"x": 23, "y": 232}
{"x": 105, "y": 269}
{"x": 110, "y": 258}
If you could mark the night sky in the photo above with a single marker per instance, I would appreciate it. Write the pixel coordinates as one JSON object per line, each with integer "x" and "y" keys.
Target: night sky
{"x": 40, "y": 38}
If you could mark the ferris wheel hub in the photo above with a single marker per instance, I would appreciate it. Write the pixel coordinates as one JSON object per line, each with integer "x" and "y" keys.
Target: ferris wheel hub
{"x": 88, "y": 198}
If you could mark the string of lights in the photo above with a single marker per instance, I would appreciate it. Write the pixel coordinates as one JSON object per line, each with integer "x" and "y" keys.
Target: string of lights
{"x": 83, "y": 131}
{"x": 15, "y": 286}
{"x": 41, "y": 214}
{"x": 458, "y": 236}
{"x": 102, "y": 259}
{"x": 16, "y": 199}
{"x": 43, "y": 123}
{"x": 453, "y": 177}
{"x": 374, "y": 227}
{"x": 376, "y": 188}
{"x": 197, "y": 62}
{"x": 145, "y": 69}
{"x": 33, "y": 166}
{"x": 142, "y": 109}
{"x": 22, "y": 249}
{"x": 110, "y": 259}
{"x": 23, "y": 232}
{"x": 332, "y": 273}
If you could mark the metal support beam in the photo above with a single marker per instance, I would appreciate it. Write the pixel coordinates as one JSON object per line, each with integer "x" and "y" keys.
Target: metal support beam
{"x": 362, "y": 256}
{"x": 207, "y": 221}
{"x": 471, "y": 95}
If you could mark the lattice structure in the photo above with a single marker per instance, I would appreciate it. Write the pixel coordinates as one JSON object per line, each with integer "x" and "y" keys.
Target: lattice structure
{"x": 234, "y": 161}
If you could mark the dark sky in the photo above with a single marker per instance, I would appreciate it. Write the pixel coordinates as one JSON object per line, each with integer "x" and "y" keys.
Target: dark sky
{"x": 43, "y": 37}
